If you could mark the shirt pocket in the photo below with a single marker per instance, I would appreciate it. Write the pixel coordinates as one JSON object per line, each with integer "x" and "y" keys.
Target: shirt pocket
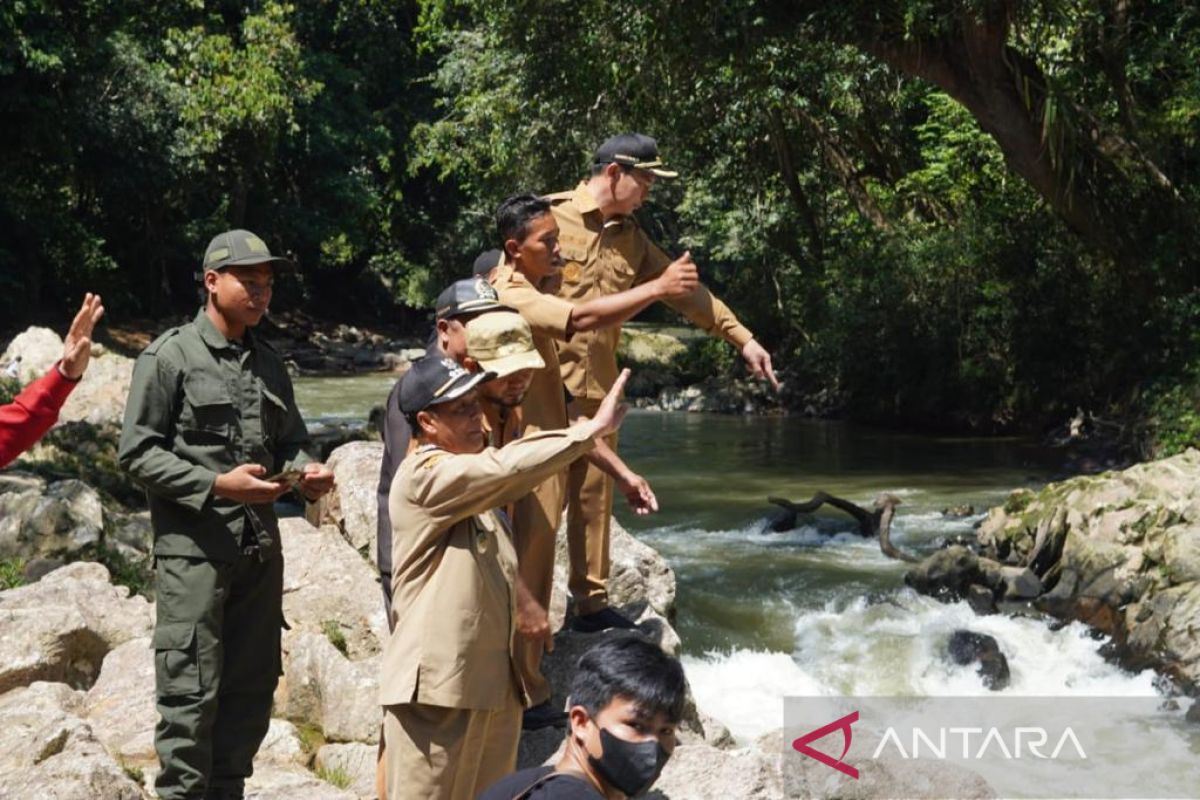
{"x": 274, "y": 412}
{"x": 208, "y": 411}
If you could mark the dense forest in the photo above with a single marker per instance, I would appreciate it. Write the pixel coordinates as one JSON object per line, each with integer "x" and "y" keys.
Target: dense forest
{"x": 977, "y": 214}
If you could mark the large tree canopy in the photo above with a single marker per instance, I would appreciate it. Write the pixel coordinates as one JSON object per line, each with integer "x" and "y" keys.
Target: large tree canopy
{"x": 971, "y": 212}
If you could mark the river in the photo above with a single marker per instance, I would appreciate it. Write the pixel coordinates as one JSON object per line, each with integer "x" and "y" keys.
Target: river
{"x": 816, "y": 610}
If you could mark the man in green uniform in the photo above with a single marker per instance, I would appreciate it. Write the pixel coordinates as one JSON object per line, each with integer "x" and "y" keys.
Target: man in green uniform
{"x": 213, "y": 434}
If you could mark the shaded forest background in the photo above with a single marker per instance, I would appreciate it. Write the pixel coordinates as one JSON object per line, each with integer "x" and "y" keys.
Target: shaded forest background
{"x": 962, "y": 214}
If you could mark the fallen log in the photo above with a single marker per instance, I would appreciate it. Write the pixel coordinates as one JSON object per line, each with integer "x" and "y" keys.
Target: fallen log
{"x": 877, "y": 522}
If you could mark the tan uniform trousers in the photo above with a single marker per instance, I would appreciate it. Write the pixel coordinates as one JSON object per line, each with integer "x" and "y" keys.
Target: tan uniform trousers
{"x": 535, "y": 527}
{"x": 589, "y": 512}
{"x": 438, "y": 753}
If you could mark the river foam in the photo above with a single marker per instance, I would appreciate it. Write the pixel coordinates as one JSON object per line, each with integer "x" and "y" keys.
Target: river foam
{"x": 897, "y": 647}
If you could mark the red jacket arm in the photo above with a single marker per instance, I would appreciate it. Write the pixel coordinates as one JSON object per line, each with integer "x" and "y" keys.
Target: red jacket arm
{"x": 31, "y": 413}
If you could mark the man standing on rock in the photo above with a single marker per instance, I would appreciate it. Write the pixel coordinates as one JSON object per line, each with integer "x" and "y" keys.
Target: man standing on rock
{"x": 533, "y": 263}
{"x": 458, "y": 303}
{"x": 451, "y": 692}
{"x": 213, "y": 434}
{"x": 607, "y": 252}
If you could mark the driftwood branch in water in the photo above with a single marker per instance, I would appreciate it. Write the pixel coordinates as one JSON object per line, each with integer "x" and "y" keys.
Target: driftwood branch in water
{"x": 870, "y": 523}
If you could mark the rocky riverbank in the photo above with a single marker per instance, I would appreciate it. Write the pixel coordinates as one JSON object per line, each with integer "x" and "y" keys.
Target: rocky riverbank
{"x": 1118, "y": 551}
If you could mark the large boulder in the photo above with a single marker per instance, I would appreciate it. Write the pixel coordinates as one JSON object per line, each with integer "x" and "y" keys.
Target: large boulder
{"x": 47, "y": 750}
{"x": 1119, "y": 551}
{"x": 352, "y": 506}
{"x": 62, "y": 627}
{"x": 322, "y": 688}
{"x": 120, "y": 704}
{"x": 272, "y": 782}
{"x": 328, "y": 585}
{"x": 60, "y": 519}
{"x": 640, "y": 578}
{"x": 703, "y": 772}
{"x": 99, "y": 397}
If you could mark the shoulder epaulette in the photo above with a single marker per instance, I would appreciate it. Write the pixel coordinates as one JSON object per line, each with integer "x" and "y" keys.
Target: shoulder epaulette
{"x": 560, "y": 197}
{"x": 154, "y": 346}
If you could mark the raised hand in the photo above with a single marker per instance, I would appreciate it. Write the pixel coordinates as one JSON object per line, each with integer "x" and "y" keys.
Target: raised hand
{"x": 611, "y": 413}
{"x": 77, "y": 345}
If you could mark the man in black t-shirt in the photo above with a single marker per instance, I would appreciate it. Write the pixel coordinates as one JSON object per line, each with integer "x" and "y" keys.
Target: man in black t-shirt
{"x": 626, "y": 700}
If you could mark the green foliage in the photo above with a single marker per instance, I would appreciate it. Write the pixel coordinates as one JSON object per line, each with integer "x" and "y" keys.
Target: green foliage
{"x": 878, "y": 232}
{"x": 336, "y": 776}
{"x": 333, "y": 632}
{"x": 1173, "y": 409}
{"x": 136, "y": 574}
{"x": 9, "y": 389}
{"x": 12, "y": 573}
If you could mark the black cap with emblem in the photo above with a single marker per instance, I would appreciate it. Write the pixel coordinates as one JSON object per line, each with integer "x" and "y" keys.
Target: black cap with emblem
{"x": 468, "y": 296}
{"x": 636, "y": 150}
{"x": 433, "y": 380}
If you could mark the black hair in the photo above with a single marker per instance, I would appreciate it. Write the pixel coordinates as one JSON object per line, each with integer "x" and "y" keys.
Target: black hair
{"x": 516, "y": 213}
{"x": 629, "y": 665}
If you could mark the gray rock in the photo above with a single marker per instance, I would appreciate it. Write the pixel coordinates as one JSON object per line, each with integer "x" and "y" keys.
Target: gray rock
{"x": 354, "y": 761}
{"x": 64, "y": 518}
{"x": 326, "y": 581}
{"x": 981, "y": 599}
{"x": 120, "y": 705}
{"x": 352, "y": 506}
{"x": 282, "y": 747}
{"x": 966, "y": 647}
{"x": 292, "y": 783}
{"x": 702, "y": 772}
{"x": 543, "y": 746}
{"x": 48, "y": 751}
{"x": 323, "y": 688}
{"x": 62, "y": 627}
{"x": 1020, "y": 583}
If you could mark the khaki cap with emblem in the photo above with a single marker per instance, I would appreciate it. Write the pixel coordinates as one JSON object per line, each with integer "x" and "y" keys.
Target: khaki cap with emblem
{"x": 635, "y": 150}
{"x": 502, "y": 343}
{"x": 236, "y": 247}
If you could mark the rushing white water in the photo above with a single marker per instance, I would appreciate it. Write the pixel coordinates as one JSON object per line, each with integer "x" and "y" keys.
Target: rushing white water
{"x": 897, "y": 647}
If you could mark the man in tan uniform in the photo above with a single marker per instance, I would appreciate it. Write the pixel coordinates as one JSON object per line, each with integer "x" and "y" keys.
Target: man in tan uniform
{"x": 606, "y": 253}
{"x": 530, "y": 237}
{"x": 449, "y": 686}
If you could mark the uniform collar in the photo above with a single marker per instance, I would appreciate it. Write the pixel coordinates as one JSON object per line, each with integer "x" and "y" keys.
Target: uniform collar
{"x": 584, "y": 200}
{"x": 214, "y": 338}
{"x": 588, "y": 205}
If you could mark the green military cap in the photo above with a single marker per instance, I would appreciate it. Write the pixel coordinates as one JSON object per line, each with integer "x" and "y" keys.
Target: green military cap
{"x": 232, "y": 248}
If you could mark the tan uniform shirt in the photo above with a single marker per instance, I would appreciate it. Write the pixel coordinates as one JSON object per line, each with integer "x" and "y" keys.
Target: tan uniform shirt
{"x": 499, "y": 431}
{"x": 544, "y": 407}
{"x": 454, "y": 568}
{"x": 603, "y": 259}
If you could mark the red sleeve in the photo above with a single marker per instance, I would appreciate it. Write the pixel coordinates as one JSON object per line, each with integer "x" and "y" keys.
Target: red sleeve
{"x": 35, "y": 409}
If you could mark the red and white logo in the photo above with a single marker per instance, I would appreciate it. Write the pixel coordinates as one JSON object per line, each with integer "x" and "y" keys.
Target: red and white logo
{"x": 801, "y": 745}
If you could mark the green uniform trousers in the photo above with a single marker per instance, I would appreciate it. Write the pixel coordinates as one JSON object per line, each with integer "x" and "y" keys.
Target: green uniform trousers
{"x": 216, "y": 665}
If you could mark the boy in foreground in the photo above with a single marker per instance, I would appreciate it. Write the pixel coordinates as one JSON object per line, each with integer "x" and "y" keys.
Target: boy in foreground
{"x": 627, "y": 698}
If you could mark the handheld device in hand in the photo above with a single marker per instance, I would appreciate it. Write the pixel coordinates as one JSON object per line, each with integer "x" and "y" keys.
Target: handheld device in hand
{"x": 288, "y": 476}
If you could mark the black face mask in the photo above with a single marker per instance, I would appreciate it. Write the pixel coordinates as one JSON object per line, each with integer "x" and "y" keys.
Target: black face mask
{"x": 630, "y": 767}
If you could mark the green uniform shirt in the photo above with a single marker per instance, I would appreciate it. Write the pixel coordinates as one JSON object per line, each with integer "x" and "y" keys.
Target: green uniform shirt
{"x": 200, "y": 405}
